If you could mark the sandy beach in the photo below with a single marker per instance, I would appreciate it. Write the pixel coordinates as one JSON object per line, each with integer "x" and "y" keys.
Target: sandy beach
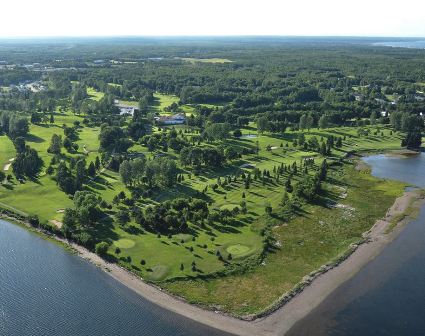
{"x": 282, "y": 319}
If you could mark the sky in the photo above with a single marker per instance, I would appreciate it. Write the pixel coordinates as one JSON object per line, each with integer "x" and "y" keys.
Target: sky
{"x": 217, "y": 17}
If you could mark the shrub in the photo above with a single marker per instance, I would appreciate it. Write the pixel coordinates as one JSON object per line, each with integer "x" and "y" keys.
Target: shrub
{"x": 101, "y": 248}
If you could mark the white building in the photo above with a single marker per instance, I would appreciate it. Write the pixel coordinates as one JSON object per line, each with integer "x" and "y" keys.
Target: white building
{"x": 176, "y": 119}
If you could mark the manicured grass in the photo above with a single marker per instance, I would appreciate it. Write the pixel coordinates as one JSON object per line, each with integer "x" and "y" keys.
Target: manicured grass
{"x": 162, "y": 101}
{"x": 318, "y": 235}
{"x": 7, "y": 151}
{"x": 94, "y": 95}
{"x": 164, "y": 256}
{"x": 124, "y": 243}
{"x": 42, "y": 197}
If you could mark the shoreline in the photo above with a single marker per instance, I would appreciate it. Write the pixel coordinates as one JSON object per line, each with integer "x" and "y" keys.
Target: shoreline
{"x": 279, "y": 318}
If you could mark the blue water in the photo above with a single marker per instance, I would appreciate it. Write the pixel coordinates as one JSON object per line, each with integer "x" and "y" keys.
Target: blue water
{"x": 408, "y": 169}
{"x": 387, "y": 297}
{"x": 46, "y": 291}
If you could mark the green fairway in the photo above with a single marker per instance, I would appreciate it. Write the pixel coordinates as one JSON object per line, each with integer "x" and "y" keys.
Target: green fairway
{"x": 94, "y": 95}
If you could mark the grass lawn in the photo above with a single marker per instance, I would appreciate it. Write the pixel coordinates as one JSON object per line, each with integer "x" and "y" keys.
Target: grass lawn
{"x": 308, "y": 241}
{"x": 162, "y": 101}
{"x": 42, "y": 197}
{"x": 94, "y": 95}
{"x": 304, "y": 244}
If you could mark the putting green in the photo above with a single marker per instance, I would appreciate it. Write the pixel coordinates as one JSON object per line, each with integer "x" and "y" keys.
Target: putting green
{"x": 238, "y": 250}
{"x": 124, "y": 243}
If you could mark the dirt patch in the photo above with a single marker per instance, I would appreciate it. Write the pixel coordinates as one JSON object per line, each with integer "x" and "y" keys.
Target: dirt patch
{"x": 56, "y": 223}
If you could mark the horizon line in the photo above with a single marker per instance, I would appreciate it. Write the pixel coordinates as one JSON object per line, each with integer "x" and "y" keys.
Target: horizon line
{"x": 17, "y": 37}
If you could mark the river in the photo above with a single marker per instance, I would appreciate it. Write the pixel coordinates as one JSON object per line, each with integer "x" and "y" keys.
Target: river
{"x": 46, "y": 291}
{"x": 387, "y": 296}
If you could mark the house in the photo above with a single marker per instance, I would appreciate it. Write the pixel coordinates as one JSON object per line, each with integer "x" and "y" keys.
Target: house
{"x": 127, "y": 110}
{"x": 124, "y": 108}
{"x": 358, "y": 97}
{"x": 176, "y": 119}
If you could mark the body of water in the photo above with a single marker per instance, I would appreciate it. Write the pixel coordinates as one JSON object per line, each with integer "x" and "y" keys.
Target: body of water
{"x": 386, "y": 297}
{"x": 46, "y": 291}
{"x": 404, "y": 44}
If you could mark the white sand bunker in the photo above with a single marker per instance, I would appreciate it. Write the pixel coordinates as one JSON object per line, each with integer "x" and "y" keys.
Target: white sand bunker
{"x": 7, "y": 165}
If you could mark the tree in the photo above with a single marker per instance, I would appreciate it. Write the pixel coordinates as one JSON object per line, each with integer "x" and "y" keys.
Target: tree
{"x": 262, "y": 124}
{"x": 55, "y": 144}
{"x": 69, "y": 222}
{"x": 126, "y": 173}
{"x": 323, "y": 122}
{"x": 218, "y": 131}
{"x": 323, "y": 170}
{"x": 18, "y": 126}
{"x": 237, "y": 133}
{"x": 303, "y": 122}
{"x": 87, "y": 208}
{"x": 91, "y": 170}
{"x": 80, "y": 174}
{"x": 112, "y": 138}
{"x": 309, "y": 121}
{"x": 27, "y": 163}
{"x": 64, "y": 179}
{"x": 97, "y": 163}
{"x": 231, "y": 153}
{"x": 101, "y": 248}
{"x": 52, "y": 119}
{"x": 122, "y": 217}
{"x": 373, "y": 117}
{"x": 413, "y": 140}
{"x": 19, "y": 143}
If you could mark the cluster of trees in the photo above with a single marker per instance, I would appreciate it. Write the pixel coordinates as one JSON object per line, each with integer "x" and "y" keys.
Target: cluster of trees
{"x": 412, "y": 124}
{"x": 78, "y": 221}
{"x": 162, "y": 171}
{"x": 172, "y": 216}
{"x": 14, "y": 124}
{"x": 27, "y": 163}
{"x": 71, "y": 178}
{"x": 165, "y": 140}
{"x": 113, "y": 139}
{"x": 217, "y": 131}
{"x": 197, "y": 156}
